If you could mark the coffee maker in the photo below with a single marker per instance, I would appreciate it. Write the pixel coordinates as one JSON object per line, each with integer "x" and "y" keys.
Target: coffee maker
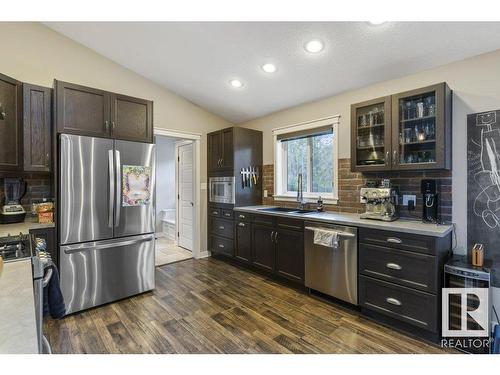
{"x": 12, "y": 211}
{"x": 380, "y": 203}
{"x": 430, "y": 197}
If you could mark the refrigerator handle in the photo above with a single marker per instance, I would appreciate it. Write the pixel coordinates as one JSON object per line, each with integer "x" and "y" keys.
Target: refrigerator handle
{"x": 111, "y": 188}
{"x": 118, "y": 187}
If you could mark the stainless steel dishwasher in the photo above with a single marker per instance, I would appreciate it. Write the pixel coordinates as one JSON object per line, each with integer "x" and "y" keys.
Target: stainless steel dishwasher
{"x": 332, "y": 270}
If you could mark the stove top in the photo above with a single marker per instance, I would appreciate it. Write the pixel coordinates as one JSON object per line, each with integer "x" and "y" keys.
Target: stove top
{"x": 15, "y": 247}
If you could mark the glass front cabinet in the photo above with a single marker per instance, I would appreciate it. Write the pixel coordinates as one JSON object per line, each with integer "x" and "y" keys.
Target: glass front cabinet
{"x": 405, "y": 131}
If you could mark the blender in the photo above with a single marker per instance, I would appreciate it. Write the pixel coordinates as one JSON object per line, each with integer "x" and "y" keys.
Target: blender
{"x": 12, "y": 210}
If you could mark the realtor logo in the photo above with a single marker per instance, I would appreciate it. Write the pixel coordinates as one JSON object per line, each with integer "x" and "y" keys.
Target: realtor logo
{"x": 465, "y": 312}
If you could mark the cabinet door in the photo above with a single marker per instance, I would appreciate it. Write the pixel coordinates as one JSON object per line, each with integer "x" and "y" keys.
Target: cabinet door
{"x": 37, "y": 105}
{"x": 214, "y": 151}
{"x": 48, "y": 235}
{"x": 290, "y": 254}
{"x": 82, "y": 110}
{"x": 371, "y": 135}
{"x": 243, "y": 241}
{"x": 263, "y": 246}
{"x": 10, "y": 124}
{"x": 421, "y": 128}
{"x": 131, "y": 118}
{"x": 227, "y": 149}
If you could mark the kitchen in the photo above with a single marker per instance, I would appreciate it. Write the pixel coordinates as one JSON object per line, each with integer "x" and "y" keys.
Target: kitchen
{"x": 376, "y": 171}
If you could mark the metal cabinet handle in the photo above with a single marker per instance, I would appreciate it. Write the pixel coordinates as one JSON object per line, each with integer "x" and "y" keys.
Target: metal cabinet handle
{"x": 387, "y": 156}
{"x": 393, "y": 301}
{"x": 221, "y": 227}
{"x": 241, "y": 216}
{"x": 393, "y": 266}
{"x": 112, "y": 126}
{"x": 241, "y": 224}
{"x": 394, "y": 240}
{"x": 2, "y": 112}
{"x": 106, "y": 125}
{"x": 394, "y": 157}
{"x": 276, "y": 237}
{"x": 221, "y": 246}
{"x": 215, "y": 212}
{"x": 227, "y": 214}
{"x": 272, "y": 235}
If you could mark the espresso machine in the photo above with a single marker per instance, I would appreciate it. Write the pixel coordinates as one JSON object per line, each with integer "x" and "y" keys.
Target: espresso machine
{"x": 381, "y": 203}
{"x": 12, "y": 211}
{"x": 429, "y": 190}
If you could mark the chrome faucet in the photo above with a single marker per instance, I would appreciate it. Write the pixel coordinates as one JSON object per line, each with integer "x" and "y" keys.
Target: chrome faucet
{"x": 300, "y": 192}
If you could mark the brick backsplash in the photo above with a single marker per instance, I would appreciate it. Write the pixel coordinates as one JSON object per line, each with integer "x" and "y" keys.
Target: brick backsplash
{"x": 38, "y": 186}
{"x": 408, "y": 182}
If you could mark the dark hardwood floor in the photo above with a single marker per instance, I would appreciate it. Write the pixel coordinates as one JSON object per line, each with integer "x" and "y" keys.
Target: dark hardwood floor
{"x": 209, "y": 306}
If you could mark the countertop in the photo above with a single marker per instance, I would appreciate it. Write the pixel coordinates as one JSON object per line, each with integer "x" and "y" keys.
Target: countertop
{"x": 17, "y": 309}
{"x": 24, "y": 227}
{"x": 400, "y": 225}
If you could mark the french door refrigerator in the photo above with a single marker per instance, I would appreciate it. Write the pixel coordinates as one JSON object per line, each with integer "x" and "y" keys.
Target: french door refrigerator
{"x": 106, "y": 220}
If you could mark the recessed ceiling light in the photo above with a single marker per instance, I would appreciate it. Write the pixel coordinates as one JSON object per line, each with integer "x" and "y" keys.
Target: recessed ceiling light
{"x": 269, "y": 68}
{"x": 377, "y": 22}
{"x": 314, "y": 46}
{"x": 236, "y": 83}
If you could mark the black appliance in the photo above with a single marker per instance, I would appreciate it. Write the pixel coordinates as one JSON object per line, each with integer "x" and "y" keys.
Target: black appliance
{"x": 430, "y": 196}
{"x": 459, "y": 273}
{"x": 12, "y": 211}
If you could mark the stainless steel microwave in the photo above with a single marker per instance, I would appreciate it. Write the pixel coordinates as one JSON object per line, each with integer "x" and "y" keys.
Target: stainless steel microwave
{"x": 222, "y": 190}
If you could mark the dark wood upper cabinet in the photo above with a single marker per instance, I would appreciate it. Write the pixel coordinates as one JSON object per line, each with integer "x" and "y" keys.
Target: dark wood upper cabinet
{"x": 221, "y": 150}
{"x": 371, "y": 135}
{"x": 227, "y": 149}
{"x": 404, "y": 131}
{"x": 82, "y": 110}
{"x": 214, "y": 144}
{"x": 37, "y": 106}
{"x": 92, "y": 112}
{"x": 131, "y": 118}
{"x": 421, "y": 128}
{"x": 11, "y": 147}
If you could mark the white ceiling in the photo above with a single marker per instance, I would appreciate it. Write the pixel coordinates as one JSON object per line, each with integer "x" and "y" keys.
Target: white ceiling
{"x": 196, "y": 60}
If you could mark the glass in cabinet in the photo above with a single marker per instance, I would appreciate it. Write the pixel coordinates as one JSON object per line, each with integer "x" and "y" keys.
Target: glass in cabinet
{"x": 421, "y": 129}
{"x": 371, "y": 135}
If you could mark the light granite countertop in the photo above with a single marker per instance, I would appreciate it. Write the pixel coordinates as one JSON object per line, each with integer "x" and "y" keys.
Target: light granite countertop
{"x": 400, "y": 225}
{"x": 17, "y": 309}
{"x": 24, "y": 227}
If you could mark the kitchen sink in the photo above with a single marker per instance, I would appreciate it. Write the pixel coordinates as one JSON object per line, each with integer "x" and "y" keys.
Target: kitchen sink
{"x": 304, "y": 212}
{"x": 278, "y": 209}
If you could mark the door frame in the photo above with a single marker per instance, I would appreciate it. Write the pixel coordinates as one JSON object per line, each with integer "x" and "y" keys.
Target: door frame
{"x": 196, "y": 138}
{"x": 179, "y": 144}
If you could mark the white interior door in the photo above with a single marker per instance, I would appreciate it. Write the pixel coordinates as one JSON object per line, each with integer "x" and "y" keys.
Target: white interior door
{"x": 185, "y": 195}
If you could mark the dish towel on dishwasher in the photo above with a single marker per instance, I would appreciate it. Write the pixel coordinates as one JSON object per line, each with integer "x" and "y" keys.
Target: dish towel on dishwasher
{"x": 328, "y": 238}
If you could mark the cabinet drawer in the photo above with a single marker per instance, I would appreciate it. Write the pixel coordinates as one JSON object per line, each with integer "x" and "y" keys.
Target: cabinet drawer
{"x": 221, "y": 245}
{"x": 263, "y": 219}
{"x": 403, "y": 241}
{"x": 227, "y": 214}
{"x": 215, "y": 212}
{"x": 242, "y": 216}
{"x": 293, "y": 224}
{"x": 408, "y": 305}
{"x": 223, "y": 227}
{"x": 405, "y": 268}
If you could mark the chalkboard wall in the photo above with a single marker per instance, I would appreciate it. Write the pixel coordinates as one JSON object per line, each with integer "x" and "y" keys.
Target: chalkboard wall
{"x": 483, "y": 183}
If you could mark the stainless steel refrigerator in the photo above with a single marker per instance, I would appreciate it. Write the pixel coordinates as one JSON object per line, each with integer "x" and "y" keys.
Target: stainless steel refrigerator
{"x": 106, "y": 220}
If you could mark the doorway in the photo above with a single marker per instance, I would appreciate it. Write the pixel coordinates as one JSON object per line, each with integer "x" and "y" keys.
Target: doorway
{"x": 175, "y": 199}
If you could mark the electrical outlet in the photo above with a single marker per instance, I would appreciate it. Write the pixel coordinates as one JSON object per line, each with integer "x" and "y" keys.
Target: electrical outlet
{"x": 407, "y": 198}
{"x": 265, "y": 193}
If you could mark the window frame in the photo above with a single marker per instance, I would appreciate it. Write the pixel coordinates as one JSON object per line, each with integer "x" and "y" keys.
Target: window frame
{"x": 280, "y": 162}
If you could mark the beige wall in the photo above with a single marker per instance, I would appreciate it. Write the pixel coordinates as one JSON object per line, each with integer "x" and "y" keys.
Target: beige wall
{"x": 32, "y": 52}
{"x": 476, "y": 86}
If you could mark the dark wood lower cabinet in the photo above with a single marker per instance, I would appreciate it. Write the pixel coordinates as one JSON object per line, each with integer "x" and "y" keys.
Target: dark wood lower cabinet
{"x": 263, "y": 246}
{"x": 48, "y": 234}
{"x": 290, "y": 254}
{"x": 243, "y": 235}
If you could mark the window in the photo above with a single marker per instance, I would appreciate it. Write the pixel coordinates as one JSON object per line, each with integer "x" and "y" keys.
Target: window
{"x": 309, "y": 149}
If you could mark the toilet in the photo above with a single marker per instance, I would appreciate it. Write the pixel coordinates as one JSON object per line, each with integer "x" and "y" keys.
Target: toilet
{"x": 167, "y": 218}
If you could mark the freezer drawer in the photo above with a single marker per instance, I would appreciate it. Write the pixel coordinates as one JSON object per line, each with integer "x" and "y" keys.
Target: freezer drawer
{"x": 94, "y": 273}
